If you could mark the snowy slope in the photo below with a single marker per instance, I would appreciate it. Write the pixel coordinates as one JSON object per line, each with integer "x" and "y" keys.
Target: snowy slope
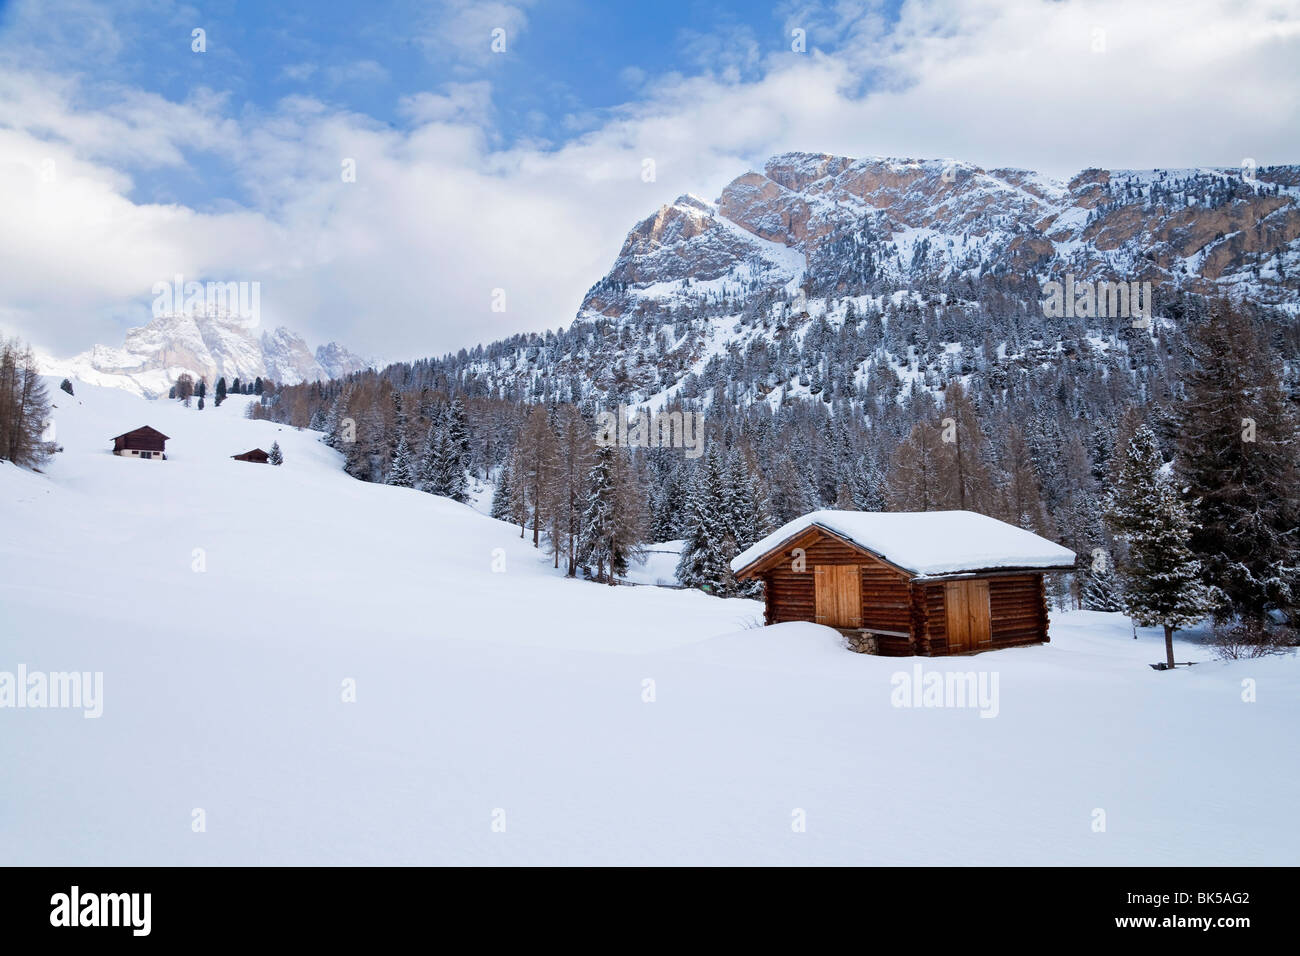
{"x": 520, "y": 691}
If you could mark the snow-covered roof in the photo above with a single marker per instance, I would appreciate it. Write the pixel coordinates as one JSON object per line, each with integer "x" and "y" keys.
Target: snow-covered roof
{"x": 926, "y": 543}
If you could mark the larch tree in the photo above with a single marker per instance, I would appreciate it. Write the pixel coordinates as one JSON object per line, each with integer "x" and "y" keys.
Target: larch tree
{"x": 575, "y": 448}
{"x": 913, "y": 482}
{"x": 536, "y": 460}
{"x": 963, "y": 479}
{"x": 24, "y": 406}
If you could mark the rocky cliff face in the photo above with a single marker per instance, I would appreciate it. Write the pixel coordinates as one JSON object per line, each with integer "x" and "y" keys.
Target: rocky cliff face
{"x": 209, "y": 346}
{"x": 840, "y": 226}
{"x": 852, "y": 279}
{"x": 337, "y": 362}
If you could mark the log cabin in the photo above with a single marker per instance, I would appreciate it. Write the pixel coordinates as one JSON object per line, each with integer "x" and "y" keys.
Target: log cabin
{"x": 256, "y": 455}
{"x": 145, "y": 442}
{"x": 900, "y": 584}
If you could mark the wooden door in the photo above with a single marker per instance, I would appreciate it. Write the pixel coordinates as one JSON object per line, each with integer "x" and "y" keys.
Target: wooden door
{"x": 969, "y": 623}
{"x": 838, "y": 595}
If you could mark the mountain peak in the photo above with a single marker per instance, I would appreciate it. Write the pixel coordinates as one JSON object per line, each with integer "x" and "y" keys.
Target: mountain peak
{"x": 207, "y": 345}
{"x": 856, "y": 225}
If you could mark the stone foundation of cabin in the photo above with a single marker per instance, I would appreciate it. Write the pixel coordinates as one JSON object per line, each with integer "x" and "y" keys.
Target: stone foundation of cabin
{"x": 861, "y": 642}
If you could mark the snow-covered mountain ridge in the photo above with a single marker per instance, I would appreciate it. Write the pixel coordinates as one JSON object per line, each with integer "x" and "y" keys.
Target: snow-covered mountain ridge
{"x": 207, "y": 345}
{"x": 845, "y": 278}
{"x": 842, "y": 226}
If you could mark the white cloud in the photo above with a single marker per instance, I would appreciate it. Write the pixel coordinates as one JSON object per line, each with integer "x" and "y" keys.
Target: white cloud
{"x": 464, "y": 30}
{"x": 298, "y": 72}
{"x": 403, "y": 261}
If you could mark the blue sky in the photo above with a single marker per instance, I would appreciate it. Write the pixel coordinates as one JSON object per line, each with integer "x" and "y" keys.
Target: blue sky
{"x": 522, "y": 170}
{"x": 567, "y": 63}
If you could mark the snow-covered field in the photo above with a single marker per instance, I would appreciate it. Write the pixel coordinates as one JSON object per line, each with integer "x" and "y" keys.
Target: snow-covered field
{"x": 513, "y": 716}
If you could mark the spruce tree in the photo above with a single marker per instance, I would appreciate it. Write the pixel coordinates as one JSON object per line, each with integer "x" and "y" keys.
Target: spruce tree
{"x": 666, "y": 509}
{"x": 1101, "y": 587}
{"x": 458, "y": 432}
{"x": 276, "y": 456}
{"x": 501, "y": 509}
{"x": 332, "y": 419}
{"x": 428, "y": 467}
{"x": 1238, "y": 454}
{"x": 596, "y": 542}
{"x": 402, "y": 473}
{"x": 1162, "y": 577}
{"x": 440, "y": 472}
{"x": 866, "y": 486}
{"x": 708, "y": 547}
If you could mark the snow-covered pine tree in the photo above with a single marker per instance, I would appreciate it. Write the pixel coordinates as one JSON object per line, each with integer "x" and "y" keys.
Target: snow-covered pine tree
{"x": 866, "y": 486}
{"x": 428, "y": 466}
{"x": 666, "y": 509}
{"x": 402, "y": 472}
{"x": 1101, "y": 587}
{"x": 1239, "y": 455}
{"x": 1162, "y": 577}
{"x": 1129, "y": 482}
{"x": 458, "y": 431}
{"x": 276, "y": 456}
{"x": 595, "y": 543}
{"x": 749, "y": 517}
{"x": 501, "y": 509}
{"x": 332, "y": 421}
{"x": 440, "y": 470}
{"x": 708, "y": 547}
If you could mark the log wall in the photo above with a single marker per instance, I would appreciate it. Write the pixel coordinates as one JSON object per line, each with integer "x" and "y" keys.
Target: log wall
{"x": 791, "y": 594}
{"x": 1017, "y": 608}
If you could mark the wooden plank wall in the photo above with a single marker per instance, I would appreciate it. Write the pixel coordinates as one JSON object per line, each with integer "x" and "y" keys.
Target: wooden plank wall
{"x": 791, "y": 595}
{"x": 1017, "y": 605}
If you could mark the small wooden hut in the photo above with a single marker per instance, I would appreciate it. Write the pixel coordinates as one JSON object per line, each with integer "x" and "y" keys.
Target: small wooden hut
{"x": 144, "y": 442}
{"x": 256, "y": 455}
{"x": 898, "y": 584}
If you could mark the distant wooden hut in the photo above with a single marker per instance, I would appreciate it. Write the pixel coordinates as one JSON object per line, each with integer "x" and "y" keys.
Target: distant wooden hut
{"x": 898, "y": 584}
{"x": 256, "y": 455}
{"x": 144, "y": 442}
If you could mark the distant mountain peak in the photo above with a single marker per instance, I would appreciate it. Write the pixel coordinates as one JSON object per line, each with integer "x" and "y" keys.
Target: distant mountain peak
{"x": 208, "y": 345}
